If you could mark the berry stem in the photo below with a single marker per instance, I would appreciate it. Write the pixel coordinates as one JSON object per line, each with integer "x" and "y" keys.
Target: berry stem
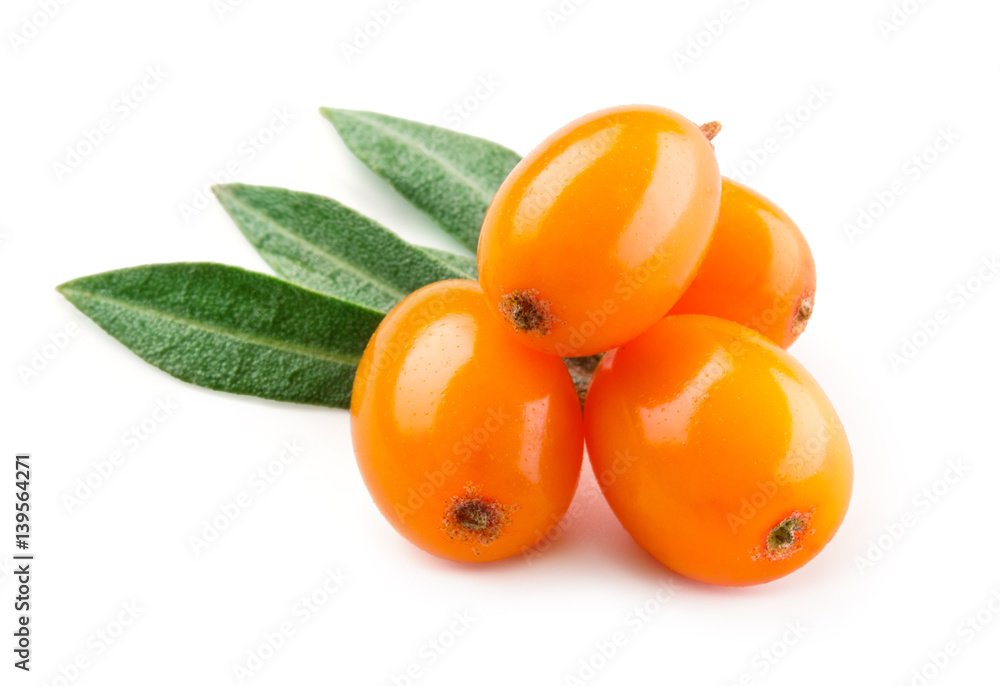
{"x": 711, "y": 130}
{"x": 581, "y": 369}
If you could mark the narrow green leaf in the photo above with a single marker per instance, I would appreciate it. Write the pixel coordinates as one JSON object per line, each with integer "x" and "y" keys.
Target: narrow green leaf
{"x": 231, "y": 330}
{"x": 451, "y": 176}
{"x": 466, "y": 265}
{"x": 318, "y": 243}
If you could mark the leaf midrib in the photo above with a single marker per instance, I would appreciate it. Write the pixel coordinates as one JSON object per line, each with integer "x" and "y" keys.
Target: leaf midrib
{"x": 277, "y": 344}
{"x": 346, "y": 266}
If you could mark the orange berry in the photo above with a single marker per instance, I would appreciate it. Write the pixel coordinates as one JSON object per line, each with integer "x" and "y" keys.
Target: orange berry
{"x": 718, "y": 452}
{"x": 758, "y": 270}
{"x": 469, "y": 443}
{"x": 596, "y": 233}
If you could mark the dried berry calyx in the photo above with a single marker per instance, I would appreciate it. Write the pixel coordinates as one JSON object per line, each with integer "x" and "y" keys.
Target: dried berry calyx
{"x": 474, "y": 515}
{"x": 711, "y": 129}
{"x": 527, "y": 312}
{"x": 783, "y": 535}
{"x": 802, "y": 314}
{"x": 476, "y": 519}
{"x": 785, "y": 538}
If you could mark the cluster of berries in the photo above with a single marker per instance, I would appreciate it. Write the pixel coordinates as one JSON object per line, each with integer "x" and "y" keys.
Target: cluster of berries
{"x": 616, "y": 239}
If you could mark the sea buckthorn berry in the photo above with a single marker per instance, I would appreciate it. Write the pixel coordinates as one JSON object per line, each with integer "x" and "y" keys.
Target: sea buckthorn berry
{"x": 758, "y": 270}
{"x": 469, "y": 443}
{"x": 596, "y": 233}
{"x": 718, "y": 452}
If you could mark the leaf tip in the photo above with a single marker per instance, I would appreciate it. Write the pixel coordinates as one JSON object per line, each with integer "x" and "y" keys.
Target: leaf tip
{"x": 221, "y": 189}
{"x": 230, "y": 194}
{"x": 339, "y": 117}
{"x": 70, "y": 291}
{"x": 330, "y": 114}
{"x": 64, "y": 288}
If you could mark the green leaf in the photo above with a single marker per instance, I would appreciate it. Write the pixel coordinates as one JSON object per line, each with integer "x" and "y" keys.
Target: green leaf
{"x": 232, "y": 330}
{"x": 318, "y": 243}
{"x": 466, "y": 265}
{"x": 451, "y": 176}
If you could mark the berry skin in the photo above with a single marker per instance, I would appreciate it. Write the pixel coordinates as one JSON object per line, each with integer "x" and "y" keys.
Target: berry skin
{"x": 758, "y": 270}
{"x": 596, "y": 233}
{"x": 469, "y": 443}
{"x": 718, "y": 452}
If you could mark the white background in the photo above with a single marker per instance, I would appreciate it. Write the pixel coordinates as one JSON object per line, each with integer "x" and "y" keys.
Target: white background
{"x": 873, "y": 607}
